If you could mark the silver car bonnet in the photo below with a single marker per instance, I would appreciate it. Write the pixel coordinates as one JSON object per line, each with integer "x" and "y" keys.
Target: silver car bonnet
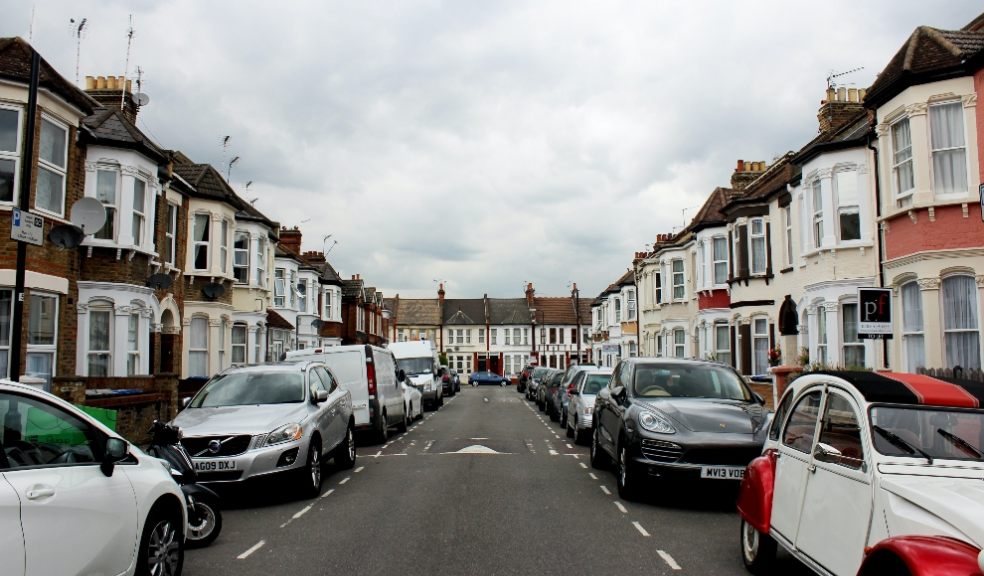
{"x": 247, "y": 419}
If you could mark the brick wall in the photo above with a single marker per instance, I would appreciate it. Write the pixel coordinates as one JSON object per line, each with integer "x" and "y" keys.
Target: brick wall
{"x": 949, "y": 229}
{"x": 713, "y": 299}
{"x": 979, "y": 89}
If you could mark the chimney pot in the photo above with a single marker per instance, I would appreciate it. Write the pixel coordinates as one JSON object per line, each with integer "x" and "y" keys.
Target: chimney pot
{"x": 90, "y": 83}
{"x": 100, "y": 82}
{"x": 852, "y": 95}
{"x": 861, "y": 94}
{"x": 741, "y": 166}
{"x": 842, "y": 94}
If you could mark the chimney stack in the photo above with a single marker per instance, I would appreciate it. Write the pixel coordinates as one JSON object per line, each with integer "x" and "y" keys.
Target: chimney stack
{"x": 290, "y": 239}
{"x": 530, "y": 292}
{"x": 440, "y": 293}
{"x": 840, "y": 107}
{"x": 111, "y": 92}
{"x": 745, "y": 173}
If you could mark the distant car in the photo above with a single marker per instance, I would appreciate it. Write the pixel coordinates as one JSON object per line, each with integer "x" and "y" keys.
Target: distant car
{"x": 487, "y": 377}
{"x": 524, "y": 378}
{"x": 546, "y": 391}
{"x": 456, "y": 378}
{"x": 587, "y": 384}
{"x": 534, "y": 381}
{"x": 269, "y": 419}
{"x": 413, "y": 400}
{"x": 75, "y": 496}
{"x": 870, "y": 474}
{"x": 447, "y": 381}
{"x": 566, "y": 386}
{"x": 674, "y": 418}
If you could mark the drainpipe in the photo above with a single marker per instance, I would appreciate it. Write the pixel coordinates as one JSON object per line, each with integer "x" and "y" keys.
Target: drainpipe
{"x": 878, "y": 231}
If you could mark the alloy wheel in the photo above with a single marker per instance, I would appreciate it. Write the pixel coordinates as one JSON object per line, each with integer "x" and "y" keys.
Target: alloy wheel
{"x": 314, "y": 465}
{"x": 163, "y": 550}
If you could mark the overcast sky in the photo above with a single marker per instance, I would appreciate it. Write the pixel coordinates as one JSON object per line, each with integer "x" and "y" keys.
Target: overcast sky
{"x": 483, "y": 143}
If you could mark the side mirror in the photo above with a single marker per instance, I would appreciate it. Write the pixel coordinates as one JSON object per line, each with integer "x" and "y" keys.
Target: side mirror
{"x": 826, "y": 453}
{"x": 758, "y": 398}
{"x": 116, "y": 450}
{"x": 401, "y": 375}
{"x": 320, "y": 396}
{"x": 618, "y": 394}
{"x": 185, "y": 402}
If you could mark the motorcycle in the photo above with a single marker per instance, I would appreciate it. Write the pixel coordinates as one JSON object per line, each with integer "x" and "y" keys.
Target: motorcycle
{"x": 204, "y": 514}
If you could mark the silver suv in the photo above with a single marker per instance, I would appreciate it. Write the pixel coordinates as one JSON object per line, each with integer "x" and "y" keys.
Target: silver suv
{"x": 269, "y": 419}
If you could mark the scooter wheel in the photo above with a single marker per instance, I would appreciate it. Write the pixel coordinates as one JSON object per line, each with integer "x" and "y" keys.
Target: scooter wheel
{"x": 204, "y": 522}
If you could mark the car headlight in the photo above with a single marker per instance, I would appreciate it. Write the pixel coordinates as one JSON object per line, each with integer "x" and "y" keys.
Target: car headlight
{"x": 285, "y": 433}
{"x": 656, "y": 423}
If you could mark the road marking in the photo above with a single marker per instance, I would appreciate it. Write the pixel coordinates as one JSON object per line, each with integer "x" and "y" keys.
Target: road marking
{"x": 556, "y": 436}
{"x": 360, "y": 469}
{"x": 553, "y": 452}
{"x": 606, "y": 490}
{"x": 592, "y": 474}
{"x": 344, "y": 480}
{"x": 641, "y": 529}
{"x": 485, "y": 399}
{"x": 583, "y": 465}
{"x": 569, "y": 447}
{"x": 255, "y": 547}
{"x": 669, "y": 560}
{"x": 620, "y": 507}
{"x": 379, "y": 453}
{"x": 302, "y": 512}
{"x": 328, "y": 493}
{"x": 428, "y": 446}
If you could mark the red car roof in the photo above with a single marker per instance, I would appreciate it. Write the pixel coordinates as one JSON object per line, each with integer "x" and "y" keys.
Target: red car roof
{"x": 903, "y": 388}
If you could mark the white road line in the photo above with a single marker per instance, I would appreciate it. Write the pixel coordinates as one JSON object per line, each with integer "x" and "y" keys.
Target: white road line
{"x": 553, "y": 452}
{"x": 592, "y": 474}
{"x": 302, "y": 512}
{"x": 344, "y": 480}
{"x": 669, "y": 560}
{"x": 255, "y": 547}
{"x": 379, "y": 453}
{"x": 485, "y": 399}
{"x": 328, "y": 493}
{"x": 569, "y": 447}
{"x": 360, "y": 469}
{"x": 606, "y": 490}
{"x": 641, "y": 529}
{"x": 620, "y": 507}
{"x": 583, "y": 465}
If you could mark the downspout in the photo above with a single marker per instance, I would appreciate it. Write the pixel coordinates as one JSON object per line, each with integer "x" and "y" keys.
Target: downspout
{"x": 878, "y": 230}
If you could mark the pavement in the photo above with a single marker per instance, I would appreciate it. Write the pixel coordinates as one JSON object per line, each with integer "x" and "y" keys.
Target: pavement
{"x": 486, "y": 485}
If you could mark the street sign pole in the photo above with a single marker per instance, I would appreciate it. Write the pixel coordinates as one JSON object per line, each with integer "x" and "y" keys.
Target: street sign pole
{"x": 27, "y": 174}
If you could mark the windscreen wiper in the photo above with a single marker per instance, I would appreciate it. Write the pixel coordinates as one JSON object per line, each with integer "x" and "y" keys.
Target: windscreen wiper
{"x": 898, "y": 442}
{"x": 961, "y": 443}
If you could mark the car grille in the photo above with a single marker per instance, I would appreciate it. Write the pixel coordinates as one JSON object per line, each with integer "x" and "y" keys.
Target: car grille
{"x": 727, "y": 456}
{"x": 661, "y": 451}
{"x": 197, "y": 446}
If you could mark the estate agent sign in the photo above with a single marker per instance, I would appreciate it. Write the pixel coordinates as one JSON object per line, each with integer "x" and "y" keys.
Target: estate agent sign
{"x": 874, "y": 313}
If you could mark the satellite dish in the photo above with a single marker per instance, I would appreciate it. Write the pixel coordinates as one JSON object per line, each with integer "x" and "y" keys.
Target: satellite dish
{"x": 213, "y": 290}
{"x": 88, "y": 214}
{"x": 159, "y": 281}
{"x": 317, "y": 323}
{"x": 140, "y": 99}
{"x": 65, "y": 236}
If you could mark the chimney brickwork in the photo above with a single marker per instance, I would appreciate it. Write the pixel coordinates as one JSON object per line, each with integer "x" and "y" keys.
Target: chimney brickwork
{"x": 745, "y": 173}
{"x": 112, "y": 92}
{"x": 290, "y": 239}
{"x": 840, "y": 107}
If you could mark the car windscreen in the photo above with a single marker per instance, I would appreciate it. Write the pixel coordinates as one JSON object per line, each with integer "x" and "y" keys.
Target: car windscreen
{"x": 416, "y": 365}
{"x": 669, "y": 380}
{"x": 918, "y": 432}
{"x": 593, "y": 383}
{"x": 242, "y": 388}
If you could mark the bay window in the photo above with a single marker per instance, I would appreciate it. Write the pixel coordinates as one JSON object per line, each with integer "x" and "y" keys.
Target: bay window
{"x": 632, "y": 305}
{"x": 848, "y": 212}
{"x": 224, "y": 246}
{"x": 10, "y": 132}
{"x": 787, "y": 220}
{"x": 52, "y": 164}
{"x": 106, "y": 185}
{"x": 817, "y": 214}
{"x": 853, "y": 347}
{"x": 678, "y": 280}
{"x": 903, "y": 180}
{"x": 946, "y": 128}
{"x": 240, "y": 257}
{"x": 279, "y": 287}
{"x": 200, "y": 236}
{"x": 722, "y": 343}
{"x": 100, "y": 340}
{"x": 133, "y": 344}
{"x": 679, "y": 343}
{"x": 260, "y": 262}
{"x": 139, "y": 210}
{"x": 328, "y": 304}
{"x": 822, "y": 335}
{"x": 961, "y": 321}
{"x": 720, "y": 255}
{"x": 913, "y": 339}
{"x": 198, "y": 347}
{"x": 171, "y": 234}
{"x": 760, "y": 345}
{"x": 42, "y": 335}
{"x": 758, "y": 247}
{"x": 618, "y": 312}
{"x": 238, "y": 343}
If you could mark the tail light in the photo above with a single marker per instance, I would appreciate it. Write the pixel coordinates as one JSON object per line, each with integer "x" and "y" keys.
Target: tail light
{"x": 446, "y": 378}
{"x": 371, "y": 376}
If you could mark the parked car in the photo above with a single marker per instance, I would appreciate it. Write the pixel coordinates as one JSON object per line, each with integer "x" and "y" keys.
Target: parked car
{"x": 566, "y": 387}
{"x": 667, "y": 418}
{"x": 524, "y": 378}
{"x": 546, "y": 392}
{"x": 534, "y": 382}
{"x": 447, "y": 381}
{"x": 419, "y": 361}
{"x": 371, "y": 376}
{"x": 412, "y": 399}
{"x": 456, "y": 378}
{"x": 75, "y": 497}
{"x": 587, "y": 384}
{"x": 282, "y": 419}
{"x": 870, "y": 473}
{"x": 486, "y": 377}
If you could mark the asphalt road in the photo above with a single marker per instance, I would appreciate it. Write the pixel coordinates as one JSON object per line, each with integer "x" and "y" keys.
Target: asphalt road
{"x": 486, "y": 485}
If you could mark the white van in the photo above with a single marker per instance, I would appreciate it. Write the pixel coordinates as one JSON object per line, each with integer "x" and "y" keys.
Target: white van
{"x": 419, "y": 361}
{"x": 369, "y": 373}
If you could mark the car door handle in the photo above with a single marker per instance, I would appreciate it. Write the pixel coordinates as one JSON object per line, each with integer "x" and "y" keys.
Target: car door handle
{"x": 38, "y": 492}
{"x": 812, "y": 468}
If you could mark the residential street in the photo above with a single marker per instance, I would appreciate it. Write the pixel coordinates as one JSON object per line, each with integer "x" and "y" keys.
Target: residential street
{"x": 438, "y": 500}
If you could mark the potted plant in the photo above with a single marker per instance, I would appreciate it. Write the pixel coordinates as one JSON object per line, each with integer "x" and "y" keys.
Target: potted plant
{"x": 775, "y": 356}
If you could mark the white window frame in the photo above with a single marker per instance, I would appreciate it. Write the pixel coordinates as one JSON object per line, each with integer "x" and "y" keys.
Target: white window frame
{"x": 847, "y": 209}
{"x": 679, "y": 343}
{"x": 722, "y": 279}
{"x": 279, "y": 287}
{"x": 133, "y": 344}
{"x": 948, "y": 330}
{"x": 15, "y": 154}
{"x": 507, "y": 338}
{"x": 816, "y": 199}
{"x": 224, "y": 229}
{"x": 722, "y": 355}
{"x": 913, "y": 333}
{"x": 327, "y": 311}
{"x": 34, "y": 349}
{"x": 963, "y": 148}
{"x": 493, "y": 338}
{"x": 260, "y": 266}
{"x": 757, "y": 336}
{"x": 110, "y": 230}
{"x": 196, "y": 244}
{"x": 139, "y": 221}
{"x": 846, "y": 344}
{"x": 618, "y": 309}
{"x": 171, "y": 234}
{"x": 198, "y": 351}
{"x": 244, "y": 252}
{"x": 753, "y": 239}
{"x": 822, "y": 335}
{"x": 787, "y": 216}
{"x": 679, "y": 279}
{"x": 901, "y": 157}
{"x": 94, "y": 309}
{"x": 631, "y": 299}
{"x": 242, "y": 346}
{"x": 47, "y": 165}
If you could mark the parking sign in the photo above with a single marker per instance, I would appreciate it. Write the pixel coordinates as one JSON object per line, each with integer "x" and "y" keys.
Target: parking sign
{"x": 26, "y": 227}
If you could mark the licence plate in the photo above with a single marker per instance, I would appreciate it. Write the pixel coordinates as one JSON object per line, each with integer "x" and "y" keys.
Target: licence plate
{"x": 214, "y": 465}
{"x": 722, "y": 472}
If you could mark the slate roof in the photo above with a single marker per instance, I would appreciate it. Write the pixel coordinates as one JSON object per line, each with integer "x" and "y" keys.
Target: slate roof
{"x": 464, "y": 311}
{"x": 627, "y": 279}
{"x": 584, "y": 310}
{"x": 554, "y": 310}
{"x": 773, "y": 181}
{"x": 351, "y": 288}
{"x": 853, "y": 133}
{"x": 508, "y": 311}
{"x": 418, "y": 312}
{"x": 712, "y": 212}
{"x": 108, "y": 126}
{"x": 275, "y": 320}
{"x": 15, "y": 65}
{"x": 929, "y": 55}
{"x": 208, "y": 183}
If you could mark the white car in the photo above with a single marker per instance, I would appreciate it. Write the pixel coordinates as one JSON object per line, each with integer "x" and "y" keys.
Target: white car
{"x": 413, "y": 401}
{"x": 870, "y": 473}
{"x": 76, "y": 498}
{"x": 587, "y": 384}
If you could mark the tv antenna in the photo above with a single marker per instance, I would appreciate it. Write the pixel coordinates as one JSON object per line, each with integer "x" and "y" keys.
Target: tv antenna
{"x": 832, "y": 84}
{"x": 229, "y": 168}
{"x": 78, "y": 42}
{"x": 138, "y": 97}
{"x": 333, "y": 244}
{"x": 126, "y": 64}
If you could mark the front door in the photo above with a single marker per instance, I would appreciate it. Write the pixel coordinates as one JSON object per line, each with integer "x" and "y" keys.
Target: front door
{"x": 53, "y": 465}
{"x": 793, "y": 463}
{"x": 494, "y": 364}
{"x": 837, "y": 508}
{"x": 167, "y": 353}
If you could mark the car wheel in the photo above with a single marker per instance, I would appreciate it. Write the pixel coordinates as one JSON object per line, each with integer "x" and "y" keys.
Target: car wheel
{"x": 440, "y": 399}
{"x": 382, "y": 429}
{"x": 403, "y": 425}
{"x": 563, "y": 420}
{"x": 161, "y": 547}
{"x": 309, "y": 480}
{"x": 204, "y": 522}
{"x": 569, "y": 430}
{"x": 579, "y": 434}
{"x": 758, "y": 551}
{"x": 553, "y": 413}
{"x": 345, "y": 453}
{"x": 599, "y": 459}
{"x": 626, "y": 478}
